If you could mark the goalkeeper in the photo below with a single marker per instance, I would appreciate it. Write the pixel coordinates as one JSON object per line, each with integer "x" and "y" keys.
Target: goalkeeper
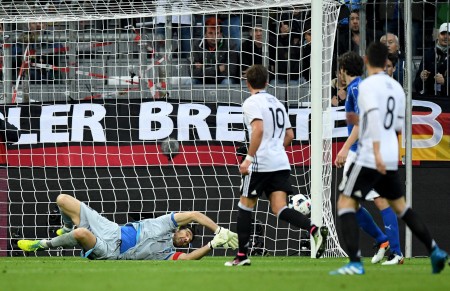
{"x": 148, "y": 239}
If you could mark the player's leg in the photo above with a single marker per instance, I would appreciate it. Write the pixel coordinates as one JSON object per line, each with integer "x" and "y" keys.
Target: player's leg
{"x": 364, "y": 218}
{"x": 368, "y": 225}
{"x": 244, "y": 230}
{"x": 280, "y": 209}
{"x": 391, "y": 188}
{"x": 81, "y": 236}
{"x": 420, "y": 230}
{"x": 249, "y": 196}
{"x": 391, "y": 229}
{"x": 69, "y": 207}
{"x": 350, "y": 232}
{"x": 360, "y": 181}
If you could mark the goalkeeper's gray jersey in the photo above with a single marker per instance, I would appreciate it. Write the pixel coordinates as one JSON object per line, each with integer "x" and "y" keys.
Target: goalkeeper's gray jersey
{"x": 154, "y": 239}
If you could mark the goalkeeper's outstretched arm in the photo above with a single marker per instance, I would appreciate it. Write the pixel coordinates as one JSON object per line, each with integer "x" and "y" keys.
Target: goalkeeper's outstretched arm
{"x": 184, "y": 218}
{"x": 223, "y": 237}
{"x": 195, "y": 255}
{"x": 221, "y": 240}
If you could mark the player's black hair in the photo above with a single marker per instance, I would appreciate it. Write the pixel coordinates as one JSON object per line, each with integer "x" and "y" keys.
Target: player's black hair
{"x": 352, "y": 63}
{"x": 377, "y": 53}
{"x": 393, "y": 58}
{"x": 257, "y": 76}
{"x": 191, "y": 228}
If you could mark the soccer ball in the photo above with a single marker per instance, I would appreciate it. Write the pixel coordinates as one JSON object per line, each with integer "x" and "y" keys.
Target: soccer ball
{"x": 300, "y": 203}
{"x": 170, "y": 148}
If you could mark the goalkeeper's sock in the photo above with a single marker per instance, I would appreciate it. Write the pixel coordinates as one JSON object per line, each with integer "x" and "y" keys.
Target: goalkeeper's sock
{"x": 294, "y": 217}
{"x": 418, "y": 228}
{"x": 65, "y": 240}
{"x": 366, "y": 222}
{"x": 244, "y": 227}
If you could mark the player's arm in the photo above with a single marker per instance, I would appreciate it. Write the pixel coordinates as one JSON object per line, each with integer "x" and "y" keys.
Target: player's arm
{"x": 255, "y": 142}
{"x": 289, "y": 137}
{"x": 343, "y": 153}
{"x": 183, "y": 218}
{"x": 195, "y": 255}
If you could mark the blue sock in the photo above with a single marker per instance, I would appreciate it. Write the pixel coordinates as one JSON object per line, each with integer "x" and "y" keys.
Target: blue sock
{"x": 366, "y": 222}
{"x": 391, "y": 229}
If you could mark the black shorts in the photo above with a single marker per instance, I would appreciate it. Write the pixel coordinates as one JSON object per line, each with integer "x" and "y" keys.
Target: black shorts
{"x": 257, "y": 183}
{"x": 361, "y": 180}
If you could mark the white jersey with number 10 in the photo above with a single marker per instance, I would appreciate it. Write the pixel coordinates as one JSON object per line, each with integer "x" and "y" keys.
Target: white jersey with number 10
{"x": 271, "y": 154}
{"x": 381, "y": 105}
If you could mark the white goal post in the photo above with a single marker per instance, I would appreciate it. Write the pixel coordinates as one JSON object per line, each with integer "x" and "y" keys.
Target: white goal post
{"x": 95, "y": 87}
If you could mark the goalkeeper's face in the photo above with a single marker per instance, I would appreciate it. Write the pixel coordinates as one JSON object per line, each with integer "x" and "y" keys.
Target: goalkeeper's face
{"x": 182, "y": 237}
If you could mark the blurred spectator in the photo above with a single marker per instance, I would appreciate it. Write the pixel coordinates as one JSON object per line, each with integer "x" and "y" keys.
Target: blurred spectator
{"x": 306, "y": 55}
{"x": 433, "y": 75}
{"x": 252, "y": 49}
{"x": 213, "y": 61}
{"x": 390, "y": 64}
{"x": 42, "y": 53}
{"x": 391, "y": 41}
{"x": 285, "y": 54}
{"x": 348, "y": 37}
{"x": 390, "y": 15}
{"x": 350, "y": 6}
{"x": 338, "y": 90}
{"x": 231, "y": 28}
{"x": 181, "y": 24}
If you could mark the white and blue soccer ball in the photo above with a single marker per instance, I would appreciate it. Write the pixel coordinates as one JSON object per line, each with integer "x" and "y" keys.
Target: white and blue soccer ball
{"x": 300, "y": 203}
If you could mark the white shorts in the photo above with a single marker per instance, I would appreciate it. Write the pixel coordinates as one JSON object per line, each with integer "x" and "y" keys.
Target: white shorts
{"x": 351, "y": 158}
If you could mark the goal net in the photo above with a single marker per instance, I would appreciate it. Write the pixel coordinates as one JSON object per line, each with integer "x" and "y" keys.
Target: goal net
{"x": 96, "y": 87}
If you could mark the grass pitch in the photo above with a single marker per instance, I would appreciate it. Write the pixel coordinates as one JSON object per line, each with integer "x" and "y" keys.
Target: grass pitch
{"x": 273, "y": 273}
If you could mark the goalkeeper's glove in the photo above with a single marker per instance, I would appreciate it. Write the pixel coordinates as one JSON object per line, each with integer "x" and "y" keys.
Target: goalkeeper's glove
{"x": 218, "y": 242}
{"x": 230, "y": 237}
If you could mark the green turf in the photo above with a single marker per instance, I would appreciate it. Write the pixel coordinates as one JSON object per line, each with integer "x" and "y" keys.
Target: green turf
{"x": 274, "y": 273}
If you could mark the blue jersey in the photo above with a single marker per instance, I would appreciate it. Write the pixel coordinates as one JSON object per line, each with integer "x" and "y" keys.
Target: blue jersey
{"x": 351, "y": 105}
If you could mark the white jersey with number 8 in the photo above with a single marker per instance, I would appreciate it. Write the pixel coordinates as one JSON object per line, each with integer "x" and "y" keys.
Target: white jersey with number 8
{"x": 271, "y": 155}
{"x": 381, "y": 103}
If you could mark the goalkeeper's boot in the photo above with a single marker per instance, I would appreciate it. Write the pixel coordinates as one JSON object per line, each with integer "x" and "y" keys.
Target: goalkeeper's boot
{"x": 239, "y": 261}
{"x": 320, "y": 240}
{"x": 30, "y": 245}
{"x": 63, "y": 230}
{"x": 352, "y": 268}
{"x": 438, "y": 259}
{"x": 382, "y": 249}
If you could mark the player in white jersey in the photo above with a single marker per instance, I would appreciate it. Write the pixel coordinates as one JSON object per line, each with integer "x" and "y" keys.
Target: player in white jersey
{"x": 148, "y": 239}
{"x": 266, "y": 168}
{"x": 381, "y": 105}
{"x": 351, "y": 67}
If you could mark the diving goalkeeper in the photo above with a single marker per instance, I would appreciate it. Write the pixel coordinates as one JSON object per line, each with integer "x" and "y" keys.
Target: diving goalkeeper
{"x": 148, "y": 239}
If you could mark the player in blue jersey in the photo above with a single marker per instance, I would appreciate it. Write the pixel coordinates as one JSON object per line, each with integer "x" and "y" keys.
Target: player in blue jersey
{"x": 148, "y": 239}
{"x": 266, "y": 169}
{"x": 381, "y": 104}
{"x": 351, "y": 66}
